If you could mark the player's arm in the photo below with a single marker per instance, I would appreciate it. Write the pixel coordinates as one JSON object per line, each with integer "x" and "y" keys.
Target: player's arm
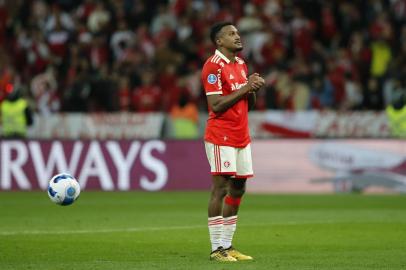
{"x": 219, "y": 104}
{"x": 252, "y": 95}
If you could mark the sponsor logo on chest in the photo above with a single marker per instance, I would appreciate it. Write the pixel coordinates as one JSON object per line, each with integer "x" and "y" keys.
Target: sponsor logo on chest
{"x": 236, "y": 86}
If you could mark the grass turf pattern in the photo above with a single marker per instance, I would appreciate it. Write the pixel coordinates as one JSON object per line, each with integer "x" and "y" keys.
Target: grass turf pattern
{"x": 136, "y": 230}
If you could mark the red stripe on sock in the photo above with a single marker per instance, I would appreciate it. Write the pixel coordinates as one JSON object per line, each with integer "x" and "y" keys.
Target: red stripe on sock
{"x": 216, "y": 222}
{"x": 233, "y": 220}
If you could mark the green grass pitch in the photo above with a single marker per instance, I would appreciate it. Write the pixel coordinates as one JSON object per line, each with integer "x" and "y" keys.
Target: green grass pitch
{"x": 135, "y": 230}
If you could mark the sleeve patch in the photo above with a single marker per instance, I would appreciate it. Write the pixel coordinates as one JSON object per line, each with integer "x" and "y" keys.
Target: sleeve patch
{"x": 212, "y": 79}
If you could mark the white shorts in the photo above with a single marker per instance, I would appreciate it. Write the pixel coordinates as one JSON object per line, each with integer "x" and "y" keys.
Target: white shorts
{"x": 227, "y": 160}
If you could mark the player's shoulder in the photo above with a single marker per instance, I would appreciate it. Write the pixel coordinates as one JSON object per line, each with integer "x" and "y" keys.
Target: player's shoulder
{"x": 239, "y": 60}
{"x": 214, "y": 61}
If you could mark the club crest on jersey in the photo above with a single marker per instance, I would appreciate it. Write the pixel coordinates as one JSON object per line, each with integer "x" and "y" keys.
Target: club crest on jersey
{"x": 227, "y": 164}
{"x": 212, "y": 79}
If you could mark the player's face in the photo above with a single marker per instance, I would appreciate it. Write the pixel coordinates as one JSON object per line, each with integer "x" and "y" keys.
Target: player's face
{"x": 229, "y": 38}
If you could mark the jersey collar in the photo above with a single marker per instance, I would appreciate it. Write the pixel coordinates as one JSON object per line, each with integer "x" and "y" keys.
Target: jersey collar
{"x": 222, "y": 56}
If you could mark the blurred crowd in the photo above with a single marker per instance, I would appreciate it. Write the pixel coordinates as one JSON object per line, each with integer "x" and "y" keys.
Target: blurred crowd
{"x": 142, "y": 56}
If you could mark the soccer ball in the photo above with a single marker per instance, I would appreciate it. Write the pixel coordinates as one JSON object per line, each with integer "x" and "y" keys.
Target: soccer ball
{"x": 63, "y": 189}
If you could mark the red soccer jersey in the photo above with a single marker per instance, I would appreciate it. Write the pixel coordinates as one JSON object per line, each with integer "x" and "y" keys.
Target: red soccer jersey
{"x": 222, "y": 76}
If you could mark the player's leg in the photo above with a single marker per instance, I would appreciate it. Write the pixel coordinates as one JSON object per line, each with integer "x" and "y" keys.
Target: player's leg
{"x": 236, "y": 185}
{"x": 232, "y": 200}
{"x": 236, "y": 190}
{"x": 218, "y": 192}
{"x": 222, "y": 160}
{"x": 215, "y": 155}
{"x": 215, "y": 222}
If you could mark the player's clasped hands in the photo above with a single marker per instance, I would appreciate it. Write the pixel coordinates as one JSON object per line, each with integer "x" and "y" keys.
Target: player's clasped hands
{"x": 255, "y": 81}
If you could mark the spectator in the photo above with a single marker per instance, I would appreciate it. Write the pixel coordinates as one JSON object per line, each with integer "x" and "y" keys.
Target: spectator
{"x": 297, "y": 40}
{"x": 40, "y": 11}
{"x": 44, "y": 91}
{"x": 103, "y": 96}
{"x": 124, "y": 94}
{"x": 85, "y": 9}
{"x": 396, "y": 113}
{"x": 272, "y": 52}
{"x": 77, "y": 95}
{"x": 353, "y": 94}
{"x": 185, "y": 118}
{"x": 38, "y": 54}
{"x": 374, "y": 96}
{"x": 58, "y": 20}
{"x": 121, "y": 39}
{"x": 99, "y": 52}
{"x": 300, "y": 95}
{"x": 163, "y": 20}
{"x": 322, "y": 93}
{"x": 58, "y": 39}
{"x": 15, "y": 114}
{"x": 251, "y": 28}
{"x": 381, "y": 57}
{"x": 99, "y": 18}
{"x": 146, "y": 98}
{"x": 7, "y": 74}
{"x": 3, "y": 21}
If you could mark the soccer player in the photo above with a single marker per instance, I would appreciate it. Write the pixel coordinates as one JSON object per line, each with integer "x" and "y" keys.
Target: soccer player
{"x": 230, "y": 93}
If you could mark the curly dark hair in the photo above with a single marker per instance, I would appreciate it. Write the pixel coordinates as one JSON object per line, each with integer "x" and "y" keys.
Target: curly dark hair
{"x": 216, "y": 28}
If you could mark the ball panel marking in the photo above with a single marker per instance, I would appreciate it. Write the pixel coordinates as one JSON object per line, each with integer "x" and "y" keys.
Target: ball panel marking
{"x": 60, "y": 177}
{"x": 51, "y": 191}
{"x": 70, "y": 191}
{"x": 67, "y": 201}
{"x": 63, "y": 189}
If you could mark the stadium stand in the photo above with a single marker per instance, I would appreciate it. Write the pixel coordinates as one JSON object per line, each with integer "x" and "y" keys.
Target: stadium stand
{"x": 127, "y": 55}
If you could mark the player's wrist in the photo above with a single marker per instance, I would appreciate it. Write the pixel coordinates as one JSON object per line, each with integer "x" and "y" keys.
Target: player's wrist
{"x": 249, "y": 89}
{"x": 252, "y": 90}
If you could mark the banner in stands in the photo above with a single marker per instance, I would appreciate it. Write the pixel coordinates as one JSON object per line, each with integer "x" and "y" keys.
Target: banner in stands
{"x": 327, "y": 124}
{"x": 98, "y": 126}
{"x": 269, "y": 124}
{"x": 107, "y": 165}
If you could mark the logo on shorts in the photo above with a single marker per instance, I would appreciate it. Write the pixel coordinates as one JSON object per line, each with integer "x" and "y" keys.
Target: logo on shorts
{"x": 227, "y": 164}
{"x": 212, "y": 79}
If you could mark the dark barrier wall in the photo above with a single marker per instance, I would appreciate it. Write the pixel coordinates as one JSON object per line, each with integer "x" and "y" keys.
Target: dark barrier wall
{"x": 107, "y": 165}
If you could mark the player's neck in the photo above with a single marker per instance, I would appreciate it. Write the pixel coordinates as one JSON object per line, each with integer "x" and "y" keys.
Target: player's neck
{"x": 230, "y": 55}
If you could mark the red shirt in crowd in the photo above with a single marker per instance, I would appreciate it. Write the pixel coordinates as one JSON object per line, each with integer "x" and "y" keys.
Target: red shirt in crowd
{"x": 221, "y": 76}
{"x": 147, "y": 99}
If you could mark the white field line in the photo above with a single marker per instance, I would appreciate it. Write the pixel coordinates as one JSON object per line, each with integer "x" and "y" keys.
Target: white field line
{"x": 137, "y": 229}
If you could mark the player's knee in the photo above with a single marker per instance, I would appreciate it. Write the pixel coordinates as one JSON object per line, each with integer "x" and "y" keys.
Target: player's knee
{"x": 237, "y": 189}
{"x": 219, "y": 191}
{"x": 237, "y": 193}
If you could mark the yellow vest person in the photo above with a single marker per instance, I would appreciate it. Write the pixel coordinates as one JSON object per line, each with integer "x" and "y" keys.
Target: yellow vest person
{"x": 185, "y": 118}
{"x": 397, "y": 121}
{"x": 15, "y": 116}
